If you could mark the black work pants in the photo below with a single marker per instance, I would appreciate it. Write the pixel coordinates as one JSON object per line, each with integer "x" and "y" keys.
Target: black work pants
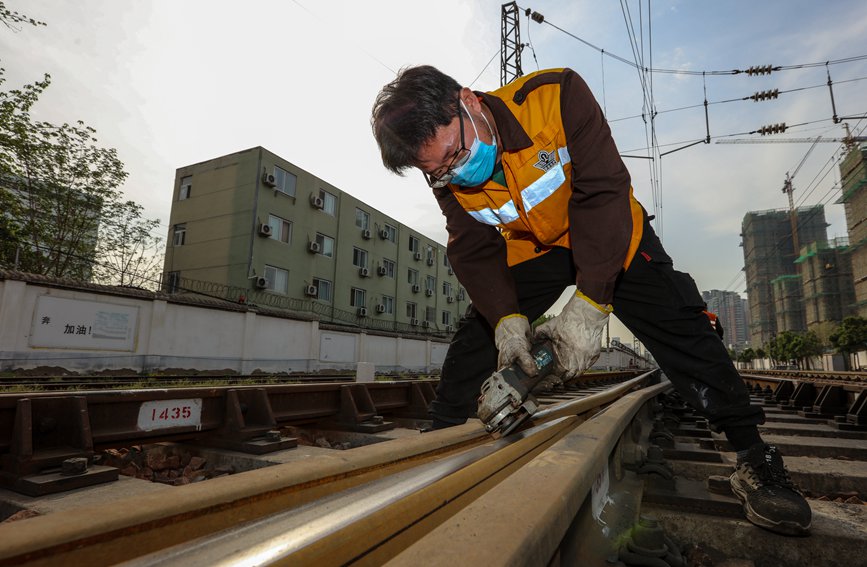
{"x": 659, "y": 305}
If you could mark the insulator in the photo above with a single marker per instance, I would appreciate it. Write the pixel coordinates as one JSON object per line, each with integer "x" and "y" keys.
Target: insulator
{"x": 537, "y": 17}
{"x": 772, "y": 129}
{"x": 766, "y": 95}
{"x": 760, "y": 70}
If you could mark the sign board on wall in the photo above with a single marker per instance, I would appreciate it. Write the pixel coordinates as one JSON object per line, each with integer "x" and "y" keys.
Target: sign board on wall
{"x": 337, "y": 347}
{"x": 77, "y": 324}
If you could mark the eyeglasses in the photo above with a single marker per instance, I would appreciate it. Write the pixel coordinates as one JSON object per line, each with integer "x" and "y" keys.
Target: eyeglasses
{"x": 459, "y": 158}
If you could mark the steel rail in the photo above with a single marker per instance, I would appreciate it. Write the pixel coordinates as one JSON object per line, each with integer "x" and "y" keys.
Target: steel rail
{"x": 380, "y": 519}
{"x": 147, "y": 523}
{"x": 850, "y": 385}
{"x": 546, "y": 496}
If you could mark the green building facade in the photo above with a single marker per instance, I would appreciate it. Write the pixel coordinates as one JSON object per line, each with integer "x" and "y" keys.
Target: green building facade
{"x": 254, "y": 228}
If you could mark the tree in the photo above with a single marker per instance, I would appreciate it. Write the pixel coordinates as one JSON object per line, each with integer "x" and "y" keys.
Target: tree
{"x": 128, "y": 254}
{"x": 850, "y": 337}
{"x": 10, "y": 18}
{"x": 60, "y": 192}
{"x": 66, "y": 186}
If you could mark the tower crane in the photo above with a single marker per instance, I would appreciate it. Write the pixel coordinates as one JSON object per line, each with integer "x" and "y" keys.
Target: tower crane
{"x": 788, "y": 188}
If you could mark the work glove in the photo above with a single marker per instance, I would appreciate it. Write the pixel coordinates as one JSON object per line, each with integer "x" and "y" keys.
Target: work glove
{"x": 576, "y": 334}
{"x": 512, "y": 336}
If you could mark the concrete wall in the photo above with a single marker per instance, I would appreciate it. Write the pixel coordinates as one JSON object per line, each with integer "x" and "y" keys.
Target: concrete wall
{"x": 88, "y": 330}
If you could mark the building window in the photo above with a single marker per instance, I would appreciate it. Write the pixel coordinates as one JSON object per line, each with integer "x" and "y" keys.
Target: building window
{"x": 430, "y": 315}
{"x": 362, "y": 219}
{"x": 323, "y": 289}
{"x": 411, "y": 310}
{"x": 281, "y": 229}
{"x": 278, "y": 280}
{"x": 447, "y": 288}
{"x": 356, "y": 297}
{"x": 285, "y": 181}
{"x": 359, "y": 257}
{"x": 446, "y": 262}
{"x": 389, "y": 266}
{"x": 329, "y": 202}
{"x": 413, "y": 244}
{"x": 326, "y": 244}
{"x": 388, "y": 304}
{"x": 390, "y": 232}
{"x": 180, "y": 234}
{"x": 447, "y": 318}
{"x": 412, "y": 276}
{"x": 186, "y": 187}
{"x": 431, "y": 256}
{"x": 430, "y": 284}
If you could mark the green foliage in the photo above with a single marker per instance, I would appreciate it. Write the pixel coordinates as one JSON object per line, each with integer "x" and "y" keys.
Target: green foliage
{"x": 747, "y": 355}
{"x": 850, "y": 336}
{"x": 789, "y": 346}
{"x": 61, "y": 192}
{"x": 11, "y": 18}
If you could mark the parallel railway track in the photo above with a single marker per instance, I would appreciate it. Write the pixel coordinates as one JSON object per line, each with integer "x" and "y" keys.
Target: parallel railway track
{"x": 567, "y": 490}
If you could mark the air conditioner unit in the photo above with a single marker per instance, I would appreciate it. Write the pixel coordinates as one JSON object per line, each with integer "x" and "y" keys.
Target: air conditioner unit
{"x": 430, "y": 261}
{"x": 261, "y": 282}
{"x": 416, "y": 288}
{"x": 381, "y": 270}
{"x": 362, "y": 311}
{"x": 461, "y": 295}
{"x": 363, "y": 272}
{"x": 317, "y": 202}
{"x": 417, "y": 256}
{"x": 311, "y": 290}
{"x": 450, "y": 299}
{"x": 428, "y": 292}
{"x": 383, "y": 234}
{"x": 313, "y": 247}
{"x": 265, "y": 230}
{"x": 425, "y": 324}
{"x": 413, "y": 322}
{"x": 380, "y": 308}
{"x": 450, "y": 329}
{"x": 269, "y": 180}
{"x": 365, "y": 234}
{"x": 451, "y": 271}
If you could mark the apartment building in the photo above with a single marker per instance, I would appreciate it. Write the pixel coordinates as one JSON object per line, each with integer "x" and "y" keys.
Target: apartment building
{"x": 252, "y": 227}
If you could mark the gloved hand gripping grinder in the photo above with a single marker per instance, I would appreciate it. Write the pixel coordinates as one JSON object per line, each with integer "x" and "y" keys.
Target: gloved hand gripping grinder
{"x": 505, "y": 401}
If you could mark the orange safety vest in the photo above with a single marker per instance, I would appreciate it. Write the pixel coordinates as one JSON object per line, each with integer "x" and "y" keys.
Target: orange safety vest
{"x": 532, "y": 211}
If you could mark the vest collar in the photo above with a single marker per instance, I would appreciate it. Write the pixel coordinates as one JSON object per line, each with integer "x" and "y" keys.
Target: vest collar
{"x": 512, "y": 134}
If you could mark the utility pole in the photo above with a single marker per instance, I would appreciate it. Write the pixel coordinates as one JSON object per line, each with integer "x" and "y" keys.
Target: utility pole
{"x": 510, "y": 44}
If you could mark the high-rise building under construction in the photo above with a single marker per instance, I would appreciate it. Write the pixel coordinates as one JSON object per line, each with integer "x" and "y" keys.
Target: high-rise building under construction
{"x": 776, "y": 300}
{"x": 853, "y": 177}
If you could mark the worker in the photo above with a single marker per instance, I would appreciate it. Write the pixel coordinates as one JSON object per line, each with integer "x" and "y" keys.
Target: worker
{"x": 536, "y": 199}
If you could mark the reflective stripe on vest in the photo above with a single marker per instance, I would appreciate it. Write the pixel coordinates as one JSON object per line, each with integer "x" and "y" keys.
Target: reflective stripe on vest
{"x": 534, "y": 194}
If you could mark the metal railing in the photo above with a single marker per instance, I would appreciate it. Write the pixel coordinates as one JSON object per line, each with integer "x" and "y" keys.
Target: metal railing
{"x": 324, "y": 311}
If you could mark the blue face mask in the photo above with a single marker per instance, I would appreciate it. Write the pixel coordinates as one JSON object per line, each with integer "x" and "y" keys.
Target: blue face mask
{"x": 479, "y": 165}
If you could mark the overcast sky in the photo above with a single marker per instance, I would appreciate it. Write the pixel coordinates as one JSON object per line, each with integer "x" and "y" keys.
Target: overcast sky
{"x": 171, "y": 83}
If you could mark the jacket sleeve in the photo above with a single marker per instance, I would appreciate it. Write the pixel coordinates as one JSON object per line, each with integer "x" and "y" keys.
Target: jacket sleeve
{"x": 477, "y": 253}
{"x": 600, "y": 221}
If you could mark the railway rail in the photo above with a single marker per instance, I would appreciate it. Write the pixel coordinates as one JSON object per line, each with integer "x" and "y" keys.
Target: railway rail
{"x": 605, "y": 474}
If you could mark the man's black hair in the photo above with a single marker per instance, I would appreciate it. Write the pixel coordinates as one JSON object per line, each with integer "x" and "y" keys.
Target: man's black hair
{"x": 408, "y": 111}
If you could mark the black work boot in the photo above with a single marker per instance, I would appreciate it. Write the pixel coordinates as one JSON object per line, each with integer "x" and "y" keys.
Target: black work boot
{"x": 770, "y": 499}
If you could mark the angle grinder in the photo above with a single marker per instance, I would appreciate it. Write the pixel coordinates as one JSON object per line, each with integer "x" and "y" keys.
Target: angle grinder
{"x": 505, "y": 401}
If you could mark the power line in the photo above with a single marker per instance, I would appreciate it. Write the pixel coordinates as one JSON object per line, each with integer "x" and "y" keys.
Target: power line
{"x": 485, "y": 68}
{"x": 757, "y": 70}
{"x": 738, "y": 99}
